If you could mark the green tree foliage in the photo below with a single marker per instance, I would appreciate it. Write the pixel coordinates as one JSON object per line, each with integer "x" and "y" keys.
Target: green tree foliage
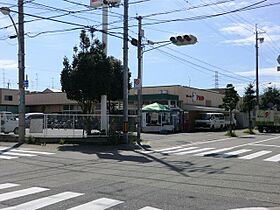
{"x": 91, "y": 74}
{"x": 249, "y": 102}
{"x": 270, "y": 98}
{"x": 230, "y": 101}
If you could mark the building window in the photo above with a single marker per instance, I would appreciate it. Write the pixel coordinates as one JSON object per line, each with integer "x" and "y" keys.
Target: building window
{"x": 8, "y": 98}
{"x": 208, "y": 103}
{"x": 163, "y": 92}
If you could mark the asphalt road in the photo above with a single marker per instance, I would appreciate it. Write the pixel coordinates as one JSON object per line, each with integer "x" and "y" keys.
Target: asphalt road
{"x": 180, "y": 171}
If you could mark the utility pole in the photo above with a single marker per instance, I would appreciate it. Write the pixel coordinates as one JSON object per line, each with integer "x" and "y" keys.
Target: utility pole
{"x": 257, "y": 64}
{"x": 125, "y": 72}
{"x": 21, "y": 106}
{"x": 140, "y": 74}
{"x": 105, "y": 25}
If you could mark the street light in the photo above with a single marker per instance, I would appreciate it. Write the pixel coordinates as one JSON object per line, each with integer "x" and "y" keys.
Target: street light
{"x": 20, "y": 37}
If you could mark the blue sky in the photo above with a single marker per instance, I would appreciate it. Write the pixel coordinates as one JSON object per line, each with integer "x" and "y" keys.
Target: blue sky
{"x": 226, "y": 43}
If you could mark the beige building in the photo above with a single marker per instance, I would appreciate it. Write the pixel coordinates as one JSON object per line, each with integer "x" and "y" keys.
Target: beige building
{"x": 188, "y": 97}
{"x": 9, "y": 99}
{"x": 50, "y": 101}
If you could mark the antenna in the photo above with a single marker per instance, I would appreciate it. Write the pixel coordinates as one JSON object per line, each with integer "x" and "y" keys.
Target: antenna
{"x": 216, "y": 79}
{"x": 36, "y": 79}
{"x": 4, "y": 82}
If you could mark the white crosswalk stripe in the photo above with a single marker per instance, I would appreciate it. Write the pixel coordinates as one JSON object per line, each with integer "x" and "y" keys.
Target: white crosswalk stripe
{"x": 275, "y": 158}
{"x": 255, "y": 155}
{"x": 221, "y": 153}
{"x": 237, "y": 152}
{"x": 18, "y": 154}
{"x": 213, "y": 151}
{"x": 7, "y": 157}
{"x": 193, "y": 151}
{"x": 99, "y": 204}
{"x": 9, "y": 153}
{"x": 7, "y": 185}
{"x": 43, "y": 202}
{"x": 179, "y": 150}
{"x": 20, "y": 193}
{"x": 149, "y": 208}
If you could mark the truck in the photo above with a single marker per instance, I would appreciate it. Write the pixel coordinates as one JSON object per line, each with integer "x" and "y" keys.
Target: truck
{"x": 268, "y": 121}
{"x": 210, "y": 121}
{"x": 9, "y": 123}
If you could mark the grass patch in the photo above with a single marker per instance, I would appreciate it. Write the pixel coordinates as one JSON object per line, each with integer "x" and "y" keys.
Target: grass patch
{"x": 248, "y": 131}
{"x": 233, "y": 134}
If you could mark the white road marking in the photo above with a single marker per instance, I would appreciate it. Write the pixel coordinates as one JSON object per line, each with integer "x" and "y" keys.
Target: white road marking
{"x": 255, "y": 155}
{"x": 179, "y": 150}
{"x": 33, "y": 152}
{"x": 43, "y": 202}
{"x": 161, "y": 150}
{"x": 7, "y": 185}
{"x": 265, "y": 145}
{"x": 17, "y": 154}
{"x": 99, "y": 204}
{"x": 193, "y": 151}
{"x": 213, "y": 151}
{"x": 237, "y": 152}
{"x": 274, "y": 158}
{"x": 149, "y": 208}
{"x": 6, "y": 157}
{"x": 20, "y": 193}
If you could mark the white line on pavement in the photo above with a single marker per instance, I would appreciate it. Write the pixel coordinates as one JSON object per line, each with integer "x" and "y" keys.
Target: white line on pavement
{"x": 99, "y": 204}
{"x": 17, "y": 154}
{"x": 43, "y": 202}
{"x": 7, "y": 185}
{"x": 193, "y": 151}
{"x": 6, "y": 157}
{"x": 20, "y": 193}
{"x": 237, "y": 152}
{"x": 149, "y": 208}
{"x": 255, "y": 155}
{"x": 179, "y": 150}
{"x": 274, "y": 158}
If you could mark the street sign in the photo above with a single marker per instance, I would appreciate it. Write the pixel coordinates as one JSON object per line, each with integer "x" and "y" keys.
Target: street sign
{"x": 99, "y": 3}
{"x": 137, "y": 83}
{"x": 278, "y": 59}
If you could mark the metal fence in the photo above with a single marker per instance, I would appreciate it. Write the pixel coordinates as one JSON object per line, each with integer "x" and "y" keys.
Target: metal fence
{"x": 66, "y": 125}
{"x": 76, "y": 125}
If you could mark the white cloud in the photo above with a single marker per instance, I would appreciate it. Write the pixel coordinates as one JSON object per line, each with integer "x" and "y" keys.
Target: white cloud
{"x": 237, "y": 29}
{"x": 272, "y": 72}
{"x": 272, "y": 33}
{"x": 8, "y": 64}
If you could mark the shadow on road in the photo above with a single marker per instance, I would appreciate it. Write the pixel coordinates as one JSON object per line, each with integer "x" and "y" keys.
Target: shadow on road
{"x": 105, "y": 152}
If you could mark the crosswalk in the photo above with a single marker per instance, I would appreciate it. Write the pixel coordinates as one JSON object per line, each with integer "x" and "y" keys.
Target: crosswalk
{"x": 7, "y": 153}
{"x": 41, "y": 202}
{"x": 227, "y": 152}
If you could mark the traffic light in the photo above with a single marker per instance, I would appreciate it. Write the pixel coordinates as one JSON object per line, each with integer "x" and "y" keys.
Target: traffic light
{"x": 134, "y": 42}
{"x": 183, "y": 40}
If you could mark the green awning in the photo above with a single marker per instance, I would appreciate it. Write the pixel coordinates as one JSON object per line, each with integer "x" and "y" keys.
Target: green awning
{"x": 156, "y": 107}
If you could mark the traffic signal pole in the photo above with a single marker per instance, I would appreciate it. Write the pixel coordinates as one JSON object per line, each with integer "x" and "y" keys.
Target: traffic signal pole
{"x": 140, "y": 74}
{"x": 125, "y": 72}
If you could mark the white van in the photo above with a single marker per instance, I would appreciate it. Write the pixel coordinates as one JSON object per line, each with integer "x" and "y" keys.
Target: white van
{"x": 9, "y": 122}
{"x": 210, "y": 121}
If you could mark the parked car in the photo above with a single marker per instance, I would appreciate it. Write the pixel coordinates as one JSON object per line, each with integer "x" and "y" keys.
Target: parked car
{"x": 9, "y": 122}
{"x": 30, "y": 116}
{"x": 210, "y": 121}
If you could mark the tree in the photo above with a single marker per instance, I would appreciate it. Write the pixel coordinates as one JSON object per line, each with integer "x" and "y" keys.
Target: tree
{"x": 91, "y": 74}
{"x": 270, "y": 98}
{"x": 116, "y": 84}
{"x": 230, "y": 101}
{"x": 249, "y": 102}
